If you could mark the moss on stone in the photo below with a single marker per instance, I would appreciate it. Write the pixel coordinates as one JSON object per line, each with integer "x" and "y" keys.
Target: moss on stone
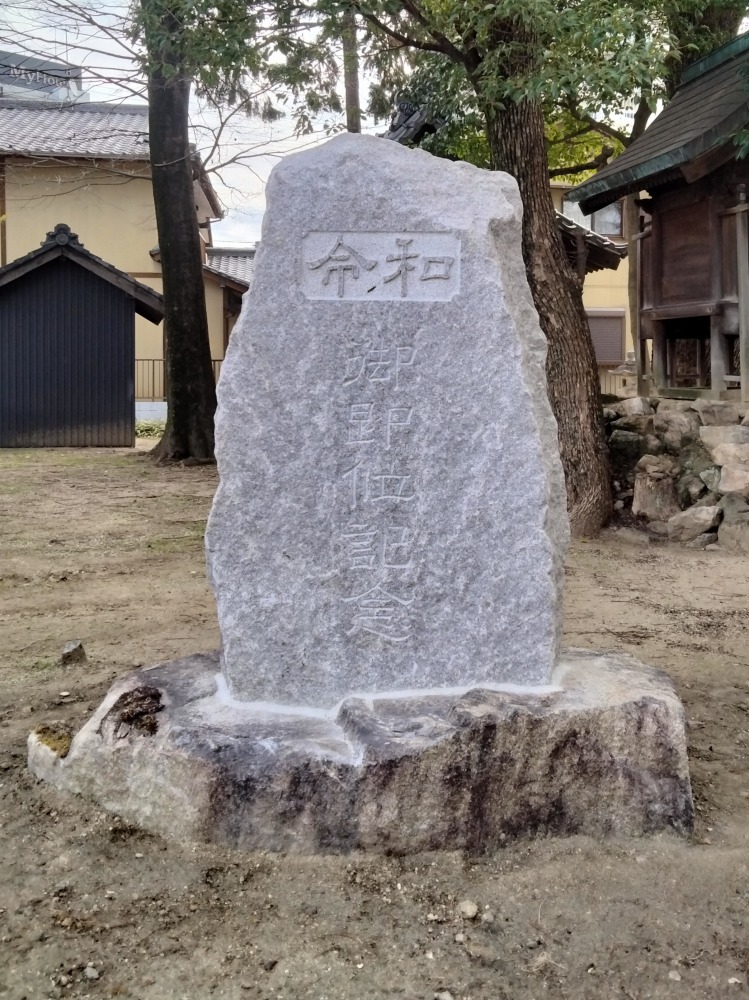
{"x": 57, "y": 737}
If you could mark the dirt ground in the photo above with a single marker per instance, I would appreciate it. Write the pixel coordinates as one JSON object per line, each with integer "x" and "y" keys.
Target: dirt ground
{"x": 103, "y": 547}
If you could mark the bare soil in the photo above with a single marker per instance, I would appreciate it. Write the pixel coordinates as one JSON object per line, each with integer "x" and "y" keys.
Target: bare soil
{"x": 104, "y": 547}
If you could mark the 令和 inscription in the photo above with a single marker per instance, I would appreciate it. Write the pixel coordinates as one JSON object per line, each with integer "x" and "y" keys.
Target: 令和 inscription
{"x": 421, "y": 267}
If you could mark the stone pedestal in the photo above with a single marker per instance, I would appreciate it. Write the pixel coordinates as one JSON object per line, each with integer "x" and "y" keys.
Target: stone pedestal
{"x": 600, "y": 751}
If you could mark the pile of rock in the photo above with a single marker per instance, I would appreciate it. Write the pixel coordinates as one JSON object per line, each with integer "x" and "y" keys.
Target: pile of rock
{"x": 684, "y": 465}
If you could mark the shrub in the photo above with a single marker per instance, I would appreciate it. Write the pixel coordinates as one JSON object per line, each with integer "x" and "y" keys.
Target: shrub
{"x": 149, "y": 428}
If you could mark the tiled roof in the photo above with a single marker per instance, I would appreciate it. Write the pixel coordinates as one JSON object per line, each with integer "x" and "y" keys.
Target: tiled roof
{"x": 62, "y": 242}
{"x": 707, "y": 110}
{"x": 601, "y": 253}
{"x": 234, "y": 263}
{"x": 35, "y": 128}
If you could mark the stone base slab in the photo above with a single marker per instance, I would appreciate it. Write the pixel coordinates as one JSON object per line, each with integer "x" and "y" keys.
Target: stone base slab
{"x": 602, "y": 752}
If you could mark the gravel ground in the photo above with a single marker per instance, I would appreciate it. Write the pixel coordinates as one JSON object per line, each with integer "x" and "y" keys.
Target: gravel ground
{"x": 104, "y": 547}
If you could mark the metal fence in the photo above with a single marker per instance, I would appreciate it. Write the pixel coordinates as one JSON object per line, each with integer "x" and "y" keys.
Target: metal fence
{"x": 150, "y": 379}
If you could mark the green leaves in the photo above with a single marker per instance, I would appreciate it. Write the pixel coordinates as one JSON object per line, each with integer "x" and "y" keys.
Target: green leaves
{"x": 586, "y": 58}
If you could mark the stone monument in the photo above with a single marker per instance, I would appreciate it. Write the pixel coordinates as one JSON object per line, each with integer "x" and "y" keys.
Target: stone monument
{"x": 386, "y": 549}
{"x": 391, "y": 509}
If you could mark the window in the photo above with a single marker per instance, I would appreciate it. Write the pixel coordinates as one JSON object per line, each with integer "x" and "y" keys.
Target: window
{"x": 606, "y": 221}
{"x": 607, "y": 333}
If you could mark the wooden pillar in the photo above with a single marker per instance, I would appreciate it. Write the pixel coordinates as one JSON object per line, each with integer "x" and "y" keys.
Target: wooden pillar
{"x": 660, "y": 367}
{"x": 581, "y": 255}
{"x": 644, "y": 381}
{"x": 700, "y": 361}
{"x": 671, "y": 361}
{"x": 718, "y": 357}
{"x": 742, "y": 272}
{"x": 644, "y": 369}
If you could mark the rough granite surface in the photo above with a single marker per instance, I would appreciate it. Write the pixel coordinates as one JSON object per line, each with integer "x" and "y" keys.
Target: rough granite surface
{"x": 391, "y": 511}
{"x": 603, "y": 752}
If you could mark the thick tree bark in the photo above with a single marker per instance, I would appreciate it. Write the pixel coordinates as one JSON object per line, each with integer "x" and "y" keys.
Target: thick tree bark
{"x": 631, "y": 222}
{"x": 715, "y": 25}
{"x": 190, "y": 386}
{"x": 351, "y": 70}
{"x": 516, "y": 142}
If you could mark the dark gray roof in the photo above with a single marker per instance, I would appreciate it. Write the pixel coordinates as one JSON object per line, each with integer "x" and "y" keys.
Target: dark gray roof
{"x": 410, "y": 123}
{"x": 602, "y": 253}
{"x": 62, "y": 242}
{"x": 41, "y": 128}
{"x": 105, "y": 131}
{"x": 706, "y": 112}
{"x": 237, "y": 263}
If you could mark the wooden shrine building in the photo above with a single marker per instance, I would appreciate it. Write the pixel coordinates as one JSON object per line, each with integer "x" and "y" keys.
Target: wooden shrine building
{"x": 693, "y": 248}
{"x": 67, "y": 347}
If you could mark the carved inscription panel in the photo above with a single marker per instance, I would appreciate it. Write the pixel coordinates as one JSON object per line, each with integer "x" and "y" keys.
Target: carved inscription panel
{"x": 378, "y": 488}
{"x": 420, "y": 267}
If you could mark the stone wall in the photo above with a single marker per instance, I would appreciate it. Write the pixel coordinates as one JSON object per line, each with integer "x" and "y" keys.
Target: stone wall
{"x": 682, "y": 468}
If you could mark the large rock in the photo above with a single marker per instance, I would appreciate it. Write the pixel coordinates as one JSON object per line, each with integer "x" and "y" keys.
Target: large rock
{"x": 731, "y": 454}
{"x": 678, "y": 405}
{"x": 653, "y": 444}
{"x": 658, "y": 466}
{"x": 676, "y": 428}
{"x": 712, "y": 437}
{"x": 708, "y": 500}
{"x": 735, "y": 537}
{"x": 734, "y": 479}
{"x": 602, "y": 752}
{"x": 702, "y": 541}
{"x": 695, "y": 521}
{"x": 635, "y": 406}
{"x": 689, "y": 488}
{"x": 694, "y": 457}
{"x": 734, "y": 507}
{"x": 711, "y": 477}
{"x": 382, "y": 422}
{"x": 714, "y": 412}
{"x": 638, "y": 423}
{"x": 733, "y": 534}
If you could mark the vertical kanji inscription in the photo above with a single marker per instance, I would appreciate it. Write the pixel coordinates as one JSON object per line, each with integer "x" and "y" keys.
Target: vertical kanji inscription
{"x": 378, "y": 488}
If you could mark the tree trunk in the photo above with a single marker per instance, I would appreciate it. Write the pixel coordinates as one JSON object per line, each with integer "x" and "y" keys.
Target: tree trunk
{"x": 190, "y": 386}
{"x": 516, "y": 143}
{"x": 631, "y": 228}
{"x": 351, "y": 70}
{"x": 700, "y": 32}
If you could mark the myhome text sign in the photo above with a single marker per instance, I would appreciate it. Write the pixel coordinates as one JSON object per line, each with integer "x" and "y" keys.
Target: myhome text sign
{"x": 28, "y": 78}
